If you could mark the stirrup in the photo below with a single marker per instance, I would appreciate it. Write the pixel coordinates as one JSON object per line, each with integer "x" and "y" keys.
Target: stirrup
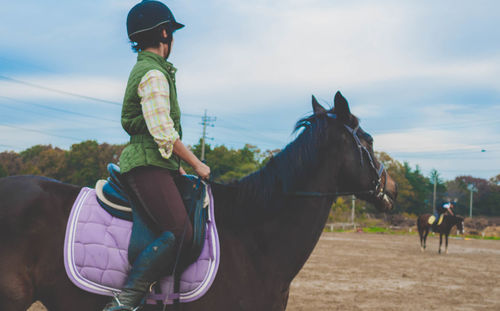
{"x": 121, "y": 307}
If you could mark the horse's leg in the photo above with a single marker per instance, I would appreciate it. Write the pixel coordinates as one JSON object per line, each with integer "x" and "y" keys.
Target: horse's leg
{"x": 426, "y": 232}
{"x": 440, "y": 241}
{"x": 446, "y": 247}
{"x": 16, "y": 288}
{"x": 63, "y": 295}
{"x": 421, "y": 234}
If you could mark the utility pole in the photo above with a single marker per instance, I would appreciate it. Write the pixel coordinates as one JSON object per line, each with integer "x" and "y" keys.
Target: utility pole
{"x": 205, "y": 121}
{"x": 435, "y": 177}
{"x": 472, "y": 189}
{"x": 353, "y": 207}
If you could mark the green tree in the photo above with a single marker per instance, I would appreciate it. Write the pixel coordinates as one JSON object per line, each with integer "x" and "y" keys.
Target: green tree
{"x": 44, "y": 160}
{"x": 227, "y": 165}
{"x": 486, "y": 199}
{"x": 340, "y": 211}
{"x": 406, "y": 194}
{"x": 85, "y": 165}
{"x": 421, "y": 188}
{"x": 3, "y": 171}
{"x": 11, "y": 162}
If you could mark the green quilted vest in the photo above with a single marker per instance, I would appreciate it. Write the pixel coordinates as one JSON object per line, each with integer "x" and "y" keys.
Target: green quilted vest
{"x": 143, "y": 150}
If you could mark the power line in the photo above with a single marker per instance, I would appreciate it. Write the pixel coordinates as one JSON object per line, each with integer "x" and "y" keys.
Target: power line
{"x": 40, "y": 131}
{"x": 60, "y": 91}
{"x": 73, "y": 94}
{"x": 57, "y": 109}
{"x": 9, "y": 146}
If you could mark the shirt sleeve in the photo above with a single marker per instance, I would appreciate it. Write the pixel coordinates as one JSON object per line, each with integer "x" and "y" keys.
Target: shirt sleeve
{"x": 155, "y": 102}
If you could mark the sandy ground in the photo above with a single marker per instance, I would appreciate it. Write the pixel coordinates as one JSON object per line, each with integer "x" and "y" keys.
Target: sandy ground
{"x": 359, "y": 271}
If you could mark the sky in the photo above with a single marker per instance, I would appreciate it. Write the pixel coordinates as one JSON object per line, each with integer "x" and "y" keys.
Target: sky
{"x": 423, "y": 76}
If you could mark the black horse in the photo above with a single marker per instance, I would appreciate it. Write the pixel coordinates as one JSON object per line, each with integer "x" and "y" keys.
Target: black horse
{"x": 269, "y": 221}
{"x": 444, "y": 228}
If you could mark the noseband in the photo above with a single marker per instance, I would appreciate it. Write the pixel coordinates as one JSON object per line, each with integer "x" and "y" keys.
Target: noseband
{"x": 378, "y": 185}
{"x": 379, "y": 188}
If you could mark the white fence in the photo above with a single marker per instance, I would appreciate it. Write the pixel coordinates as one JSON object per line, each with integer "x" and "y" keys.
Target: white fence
{"x": 341, "y": 225}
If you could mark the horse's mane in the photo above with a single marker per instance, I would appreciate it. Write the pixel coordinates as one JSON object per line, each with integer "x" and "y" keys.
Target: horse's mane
{"x": 262, "y": 192}
{"x": 287, "y": 168}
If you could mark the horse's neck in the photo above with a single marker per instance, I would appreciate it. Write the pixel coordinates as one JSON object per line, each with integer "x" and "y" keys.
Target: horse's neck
{"x": 285, "y": 240}
{"x": 448, "y": 222}
{"x": 292, "y": 236}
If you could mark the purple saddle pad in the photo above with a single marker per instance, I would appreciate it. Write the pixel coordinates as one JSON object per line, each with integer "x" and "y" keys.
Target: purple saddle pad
{"x": 96, "y": 260}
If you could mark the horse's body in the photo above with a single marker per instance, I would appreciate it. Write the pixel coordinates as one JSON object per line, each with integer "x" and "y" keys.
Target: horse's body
{"x": 444, "y": 229}
{"x": 267, "y": 230}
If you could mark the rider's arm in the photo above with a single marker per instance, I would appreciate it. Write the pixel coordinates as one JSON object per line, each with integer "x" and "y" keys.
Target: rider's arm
{"x": 185, "y": 154}
{"x": 155, "y": 101}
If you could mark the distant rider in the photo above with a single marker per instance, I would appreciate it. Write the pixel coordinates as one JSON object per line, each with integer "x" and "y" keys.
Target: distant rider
{"x": 447, "y": 208}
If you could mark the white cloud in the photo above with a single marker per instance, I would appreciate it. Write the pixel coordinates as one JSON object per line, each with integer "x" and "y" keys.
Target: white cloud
{"x": 422, "y": 141}
{"x": 250, "y": 57}
{"x": 310, "y": 47}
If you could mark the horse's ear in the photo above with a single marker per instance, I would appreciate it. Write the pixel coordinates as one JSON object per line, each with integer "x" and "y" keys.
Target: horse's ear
{"x": 341, "y": 106}
{"x": 317, "y": 108}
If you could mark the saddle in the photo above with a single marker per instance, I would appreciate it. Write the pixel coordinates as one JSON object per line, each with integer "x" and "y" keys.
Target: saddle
{"x": 101, "y": 242}
{"x": 112, "y": 196}
{"x": 432, "y": 220}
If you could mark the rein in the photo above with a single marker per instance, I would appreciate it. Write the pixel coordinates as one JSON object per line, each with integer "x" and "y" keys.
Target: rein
{"x": 327, "y": 194}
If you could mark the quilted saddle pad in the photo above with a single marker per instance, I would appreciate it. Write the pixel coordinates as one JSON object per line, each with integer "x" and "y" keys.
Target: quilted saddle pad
{"x": 96, "y": 260}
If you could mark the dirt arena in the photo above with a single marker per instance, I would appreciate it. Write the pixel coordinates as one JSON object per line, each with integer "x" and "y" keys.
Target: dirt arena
{"x": 360, "y": 271}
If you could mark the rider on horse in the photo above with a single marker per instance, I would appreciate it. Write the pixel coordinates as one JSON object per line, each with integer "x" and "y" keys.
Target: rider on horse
{"x": 151, "y": 116}
{"x": 446, "y": 208}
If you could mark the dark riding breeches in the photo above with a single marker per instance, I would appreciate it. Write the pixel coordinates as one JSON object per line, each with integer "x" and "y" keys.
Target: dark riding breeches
{"x": 155, "y": 189}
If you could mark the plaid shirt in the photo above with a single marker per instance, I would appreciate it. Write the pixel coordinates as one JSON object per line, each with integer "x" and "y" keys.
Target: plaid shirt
{"x": 155, "y": 101}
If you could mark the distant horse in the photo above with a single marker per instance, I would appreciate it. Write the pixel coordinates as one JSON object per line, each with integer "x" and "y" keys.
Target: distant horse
{"x": 444, "y": 228}
{"x": 269, "y": 222}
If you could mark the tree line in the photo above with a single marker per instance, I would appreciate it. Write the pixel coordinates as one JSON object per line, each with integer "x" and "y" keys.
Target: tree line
{"x": 86, "y": 162}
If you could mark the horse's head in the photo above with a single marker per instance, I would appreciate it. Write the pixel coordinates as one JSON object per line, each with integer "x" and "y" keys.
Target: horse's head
{"x": 359, "y": 170}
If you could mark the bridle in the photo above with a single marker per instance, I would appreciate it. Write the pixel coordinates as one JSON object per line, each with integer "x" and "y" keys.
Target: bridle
{"x": 378, "y": 185}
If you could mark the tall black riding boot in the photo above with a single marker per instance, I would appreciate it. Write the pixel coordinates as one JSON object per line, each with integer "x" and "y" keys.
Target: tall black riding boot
{"x": 151, "y": 264}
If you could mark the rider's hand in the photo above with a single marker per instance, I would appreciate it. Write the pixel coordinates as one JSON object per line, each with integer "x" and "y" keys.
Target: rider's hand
{"x": 202, "y": 170}
{"x": 182, "y": 171}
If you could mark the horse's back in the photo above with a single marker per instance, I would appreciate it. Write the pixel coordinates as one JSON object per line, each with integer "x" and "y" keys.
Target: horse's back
{"x": 422, "y": 221}
{"x": 26, "y": 200}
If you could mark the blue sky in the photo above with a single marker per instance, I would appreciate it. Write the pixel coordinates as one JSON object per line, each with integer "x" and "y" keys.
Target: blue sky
{"x": 423, "y": 76}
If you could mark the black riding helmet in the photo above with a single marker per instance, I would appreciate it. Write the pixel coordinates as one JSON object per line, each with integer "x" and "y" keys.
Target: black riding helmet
{"x": 148, "y": 15}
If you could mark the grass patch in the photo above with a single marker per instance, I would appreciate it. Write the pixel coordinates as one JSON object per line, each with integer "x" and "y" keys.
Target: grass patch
{"x": 478, "y": 237}
{"x": 328, "y": 229}
{"x": 377, "y": 230}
